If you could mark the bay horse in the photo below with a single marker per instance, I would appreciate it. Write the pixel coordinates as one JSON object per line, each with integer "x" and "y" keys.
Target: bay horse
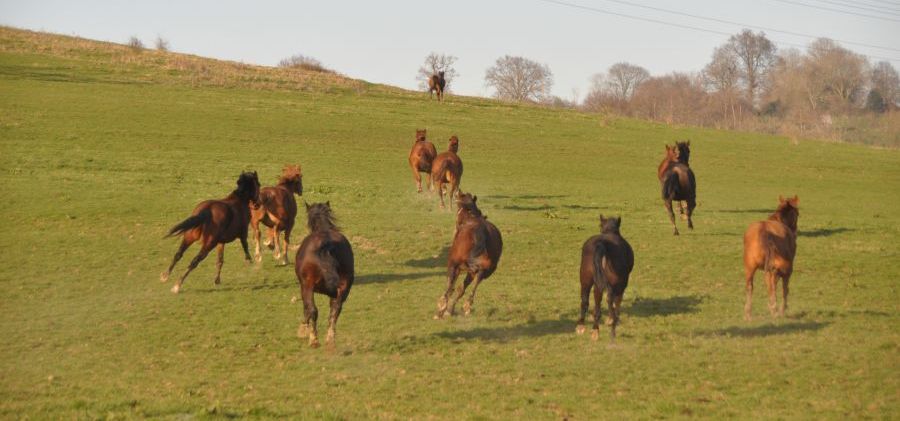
{"x": 476, "y": 249}
{"x": 420, "y": 158}
{"x": 606, "y": 263}
{"x": 770, "y": 245}
{"x": 215, "y": 223}
{"x": 677, "y": 181}
{"x": 437, "y": 83}
{"x": 447, "y": 168}
{"x": 324, "y": 264}
{"x": 277, "y": 209}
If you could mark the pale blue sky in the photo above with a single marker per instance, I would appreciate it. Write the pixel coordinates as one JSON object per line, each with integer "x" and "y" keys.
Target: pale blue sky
{"x": 386, "y": 41}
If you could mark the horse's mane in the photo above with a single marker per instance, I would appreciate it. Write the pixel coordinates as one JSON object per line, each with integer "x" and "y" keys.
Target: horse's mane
{"x": 290, "y": 174}
{"x": 787, "y": 213}
{"x": 245, "y": 184}
{"x": 610, "y": 225}
{"x": 320, "y": 218}
{"x": 683, "y": 152}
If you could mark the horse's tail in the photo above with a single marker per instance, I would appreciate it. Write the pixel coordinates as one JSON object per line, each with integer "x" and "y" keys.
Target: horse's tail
{"x": 442, "y": 169}
{"x": 191, "y": 222}
{"x": 328, "y": 263}
{"x": 265, "y": 199}
{"x": 599, "y": 279}
{"x": 769, "y": 254}
{"x": 671, "y": 185}
{"x": 479, "y": 246}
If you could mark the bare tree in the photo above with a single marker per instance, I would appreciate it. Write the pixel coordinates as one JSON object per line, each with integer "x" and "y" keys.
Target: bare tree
{"x": 435, "y": 63}
{"x": 135, "y": 43}
{"x": 886, "y": 83}
{"x": 721, "y": 76}
{"x": 623, "y": 78}
{"x": 756, "y": 55}
{"x": 839, "y": 73}
{"x": 519, "y": 79}
{"x": 674, "y": 98}
{"x": 299, "y": 61}
{"x": 162, "y": 44}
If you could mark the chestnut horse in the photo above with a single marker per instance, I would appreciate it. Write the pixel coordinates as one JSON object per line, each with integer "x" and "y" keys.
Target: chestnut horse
{"x": 277, "y": 209}
{"x": 437, "y": 83}
{"x": 770, "y": 245}
{"x": 476, "y": 249}
{"x": 606, "y": 263}
{"x": 420, "y": 158}
{"x": 215, "y": 223}
{"x": 677, "y": 181}
{"x": 447, "y": 168}
{"x": 324, "y": 264}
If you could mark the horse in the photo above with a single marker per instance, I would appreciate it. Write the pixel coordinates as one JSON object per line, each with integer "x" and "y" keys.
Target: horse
{"x": 277, "y": 209}
{"x": 437, "y": 83}
{"x": 420, "y": 158}
{"x": 770, "y": 245}
{"x": 606, "y": 263}
{"x": 216, "y": 223}
{"x": 476, "y": 249}
{"x": 324, "y": 264}
{"x": 677, "y": 181}
{"x": 447, "y": 168}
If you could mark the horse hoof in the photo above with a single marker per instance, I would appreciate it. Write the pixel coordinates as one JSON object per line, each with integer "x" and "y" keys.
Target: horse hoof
{"x": 595, "y": 334}
{"x": 609, "y": 321}
{"x": 675, "y": 233}
{"x": 579, "y": 329}
{"x": 257, "y": 258}
{"x": 176, "y": 289}
{"x": 217, "y": 281}
{"x": 314, "y": 344}
{"x": 164, "y": 277}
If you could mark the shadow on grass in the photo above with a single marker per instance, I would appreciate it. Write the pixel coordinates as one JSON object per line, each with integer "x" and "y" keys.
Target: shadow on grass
{"x": 581, "y": 207}
{"x": 225, "y": 287}
{"x": 647, "y": 307}
{"x": 527, "y": 196}
{"x": 527, "y": 208}
{"x": 765, "y": 330}
{"x": 378, "y": 278}
{"x": 823, "y": 232}
{"x": 431, "y": 262}
{"x": 745, "y": 210}
{"x": 508, "y": 333}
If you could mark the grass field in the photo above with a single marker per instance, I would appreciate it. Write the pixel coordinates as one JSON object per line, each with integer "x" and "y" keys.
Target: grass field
{"x": 100, "y": 159}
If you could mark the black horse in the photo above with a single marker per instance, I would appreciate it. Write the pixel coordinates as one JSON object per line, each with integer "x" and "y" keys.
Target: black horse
{"x": 606, "y": 263}
{"x": 437, "y": 83}
{"x": 678, "y": 183}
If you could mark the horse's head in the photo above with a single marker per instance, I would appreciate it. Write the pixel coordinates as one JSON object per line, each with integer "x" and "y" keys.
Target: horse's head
{"x": 453, "y": 145}
{"x": 292, "y": 178}
{"x": 319, "y": 216}
{"x": 671, "y": 153}
{"x": 683, "y": 151}
{"x": 441, "y": 74}
{"x": 420, "y": 135}
{"x": 610, "y": 225}
{"x": 788, "y": 211}
{"x": 467, "y": 207}
{"x": 248, "y": 186}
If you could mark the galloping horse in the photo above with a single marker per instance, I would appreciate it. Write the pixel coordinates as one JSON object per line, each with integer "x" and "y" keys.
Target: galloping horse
{"x": 447, "y": 168}
{"x": 677, "y": 181}
{"x": 476, "y": 249}
{"x": 277, "y": 209}
{"x": 606, "y": 263}
{"x": 437, "y": 83}
{"x": 324, "y": 264}
{"x": 420, "y": 158}
{"x": 770, "y": 245}
{"x": 215, "y": 223}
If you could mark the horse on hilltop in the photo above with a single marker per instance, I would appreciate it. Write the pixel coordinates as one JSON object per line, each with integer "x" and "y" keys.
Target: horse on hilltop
{"x": 277, "y": 210}
{"x": 770, "y": 245}
{"x": 436, "y": 84}
{"x": 606, "y": 263}
{"x": 447, "y": 168}
{"x": 324, "y": 264}
{"x": 420, "y": 158}
{"x": 215, "y": 223}
{"x": 677, "y": 181}
{"x": 476, "y": 249}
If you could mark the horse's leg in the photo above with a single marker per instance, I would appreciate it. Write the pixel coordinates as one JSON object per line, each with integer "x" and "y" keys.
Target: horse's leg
{"x": 585, "y": 303}
{"x": 748, "y": 278}
{"x": 691, "y": 204}
{"x": 681, "y": 209}
{"x": 671, "y": 215}
{"x": 287, "y": 243}
{"x": 336, "y": 303}
{"x": 417, "y": 177}
{"x": 784, "y": 292}
{"x": 610, "y": 303}
{"x": 440, "y": 191}
{"x": 178, "y": 254}
{"x": 310, "y": 316}
{"x": 269, "y": 238}
{"x": 256, "y": 255}
{"x": 207, "y": 247}
{"x": 467, "y": 308}
{"x": 598, "y": 304}
{"x": 220, "y": 260}
{"x": 771, "y": 281}
{"x": 459, "y": 293}
{"x": 243, "y": 236}
{"x": 452, "y": 274}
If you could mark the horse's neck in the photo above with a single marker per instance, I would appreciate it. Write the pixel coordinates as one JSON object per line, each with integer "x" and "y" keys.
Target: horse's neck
{"x": 778, "y": 218}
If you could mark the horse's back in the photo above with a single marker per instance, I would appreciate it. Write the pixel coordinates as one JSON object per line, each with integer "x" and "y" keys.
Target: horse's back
{"x": 319, "y": 254}
{"x": 448, "y": 162}
{"x": 678, "y": 182}
{"x": 618, "y": 258}
{"x": 422, "y": 156}
{"x": 769, "y": 240}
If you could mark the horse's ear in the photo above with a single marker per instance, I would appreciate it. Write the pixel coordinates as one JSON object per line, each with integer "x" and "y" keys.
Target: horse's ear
{"x": 794, "y": 201}
{"x": 306, "y": 204}
{"x": 780, "y": 199}
{"x": 328, "y": 203}
{"x": 474, "y": 199}
{"x": 602, "y": 219}
{"x": 688, "y": 143}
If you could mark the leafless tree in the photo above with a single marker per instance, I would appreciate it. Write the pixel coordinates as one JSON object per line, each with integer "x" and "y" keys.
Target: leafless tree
{"x": 886, "y": 83}
{"x": 162, "y": 44}
{"x": 623, "y": 78}
{"x": 674, "y": 98}
{"x": 519, "y": 79}
{"x": 756, "y": 55}
{"x": 722, "y": 76}
{"x": 135, "y": 43}
{"x": 435, "y": 63}
{"x": 299, "y": 61}
{"x": 839, "y": 73}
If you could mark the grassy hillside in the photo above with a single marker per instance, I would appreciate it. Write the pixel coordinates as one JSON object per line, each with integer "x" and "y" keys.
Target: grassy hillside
{"x": 101, "y": 154}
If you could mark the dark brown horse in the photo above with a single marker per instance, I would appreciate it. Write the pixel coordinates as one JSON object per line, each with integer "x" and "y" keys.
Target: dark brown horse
{"x": 606, "y": 263}
{"x": 436, "y": 84}
{"x": 420, "y": 158}
{"x": 476, "y": 249}
{"x": 770, "y": 245}
{"x": 277, "y": 209}
{"x": 215, "y": 223}
{"x": 447, "y": 168}
{"x": 678, "y": 182}
{"x": 324, "y": 264}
